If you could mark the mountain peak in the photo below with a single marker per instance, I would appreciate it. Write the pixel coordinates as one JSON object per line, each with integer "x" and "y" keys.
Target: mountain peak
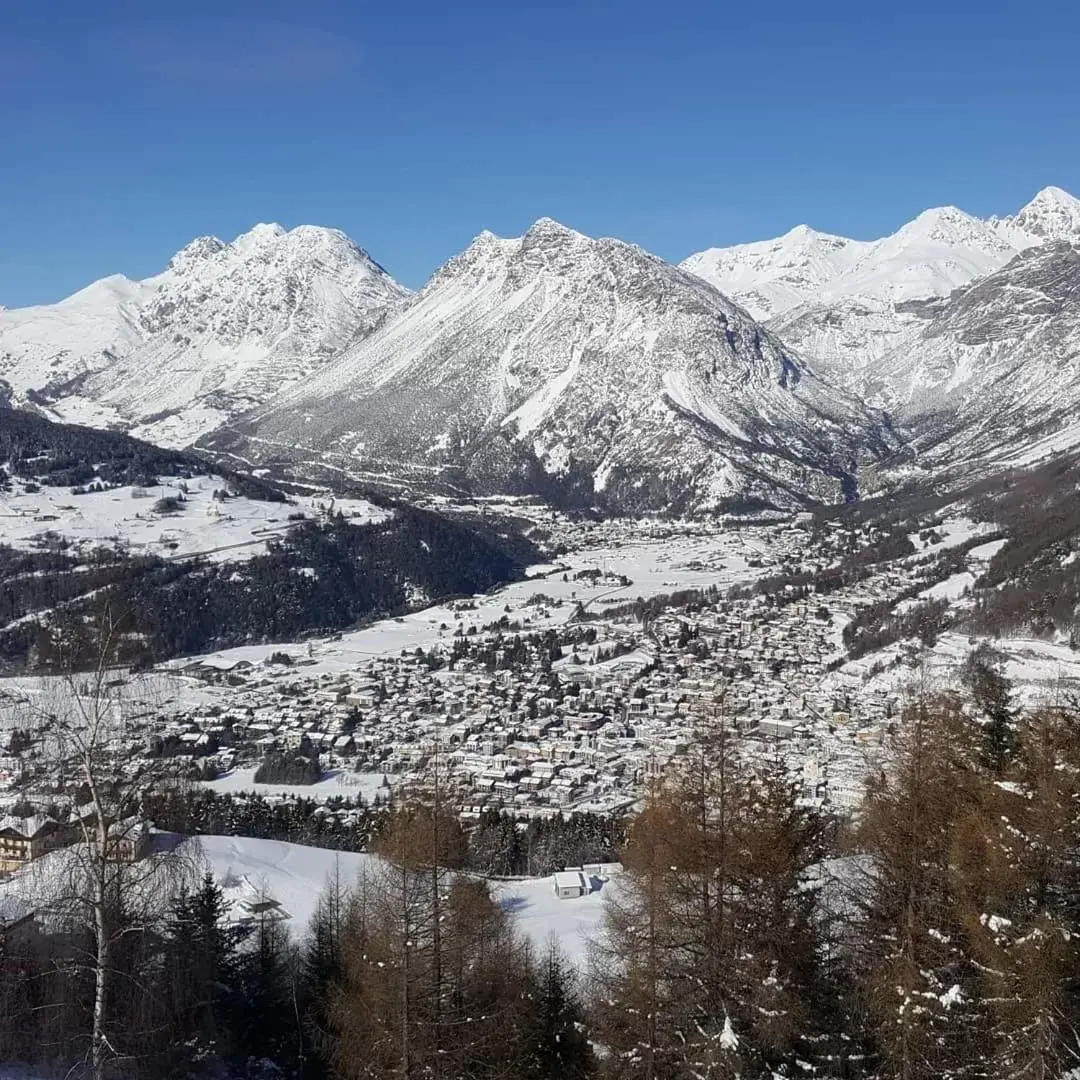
{"x": 948, "y": 223}
{"x": 202, "y": 247}
{"x": 1053, "y": 214}
{"x": 802, "y": 234}
{"x": 546, "y": 228}
{"x": 259, "y": 235}
{"x": 1054, "y": 196}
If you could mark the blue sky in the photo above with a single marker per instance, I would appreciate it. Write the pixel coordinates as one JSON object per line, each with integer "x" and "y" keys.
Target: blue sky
{"x": 130, "y": 128}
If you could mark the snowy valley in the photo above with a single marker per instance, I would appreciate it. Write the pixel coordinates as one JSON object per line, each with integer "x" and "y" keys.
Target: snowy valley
{"x": 416, "y": 651}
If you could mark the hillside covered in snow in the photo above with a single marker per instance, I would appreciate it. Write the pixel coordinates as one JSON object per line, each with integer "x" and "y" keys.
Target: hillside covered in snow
{"x": 847, "y": 303}
{"x": 220, "y": 330}
{"x": 781, "y": 373}
{"x": 584, "y": 368}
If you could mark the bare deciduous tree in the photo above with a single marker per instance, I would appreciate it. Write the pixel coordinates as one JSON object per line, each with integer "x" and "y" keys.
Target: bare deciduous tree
{"x": 92, "y": 730}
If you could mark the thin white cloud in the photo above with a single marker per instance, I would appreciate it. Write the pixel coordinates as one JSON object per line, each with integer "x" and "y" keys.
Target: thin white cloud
{"x": 228, "y": 52}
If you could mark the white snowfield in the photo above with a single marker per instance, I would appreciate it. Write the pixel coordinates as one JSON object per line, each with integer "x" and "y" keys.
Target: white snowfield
{"x": 335, "y": 782}
{"x": 295, "y": 875}
{"x": 1042, "y": 672}
{"x": 234, "y": 529}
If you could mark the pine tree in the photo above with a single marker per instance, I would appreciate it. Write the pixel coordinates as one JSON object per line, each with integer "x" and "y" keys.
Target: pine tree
{"x": 991, "y": 695}
{"x": 555, "y": 1044}
{"x": 636, "y": 1009}
{"x": 202, "y": 970}
{"x": 265, "y": 1024}
{"x": 321, "y": 971}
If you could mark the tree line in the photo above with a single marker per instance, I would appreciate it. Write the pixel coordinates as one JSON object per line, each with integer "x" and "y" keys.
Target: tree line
{"x": 496, "y": 844}
{"x": 320, "y": 576}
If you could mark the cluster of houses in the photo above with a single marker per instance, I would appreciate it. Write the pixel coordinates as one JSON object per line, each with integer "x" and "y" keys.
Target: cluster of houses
{"x": 582, "y": 732}
{"x": 573, "y": 718}
{"x": 25, "y": 838}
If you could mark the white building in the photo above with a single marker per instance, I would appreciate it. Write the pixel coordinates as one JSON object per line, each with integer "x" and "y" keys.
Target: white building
{"x": 570, "y": 884}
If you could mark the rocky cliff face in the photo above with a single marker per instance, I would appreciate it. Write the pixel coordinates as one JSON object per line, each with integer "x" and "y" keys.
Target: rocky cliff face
{"x": 582, "y": 366}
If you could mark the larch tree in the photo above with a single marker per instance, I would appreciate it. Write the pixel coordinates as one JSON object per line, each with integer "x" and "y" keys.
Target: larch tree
{"x": 917, "y": 979}
{"x": 706, "y": 966}
{"x": 433, "y": 975}
{"x": 1016, "y": 862}
{"x": 636, "y": 1004}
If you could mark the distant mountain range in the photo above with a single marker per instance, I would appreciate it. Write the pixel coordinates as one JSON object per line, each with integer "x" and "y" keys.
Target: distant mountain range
{"x": 587, "y": 369}
{"x": 941, "y": 250}
{"x": 848, "y": 303}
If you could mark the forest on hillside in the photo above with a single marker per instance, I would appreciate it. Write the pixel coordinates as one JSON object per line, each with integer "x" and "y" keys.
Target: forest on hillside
{"x": 318, "y": 577}
{"x": 41, "y": 451}
{"x": 750, "y": 934}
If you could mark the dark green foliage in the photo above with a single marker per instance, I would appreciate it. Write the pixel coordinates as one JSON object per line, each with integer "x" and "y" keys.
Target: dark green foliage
{"x": 555, "y": 1046}
{"x": 298, "y": 820}
{"x": 301, "y": 767}
{"x": 321, "y": 969}
{"x": 67, "y": 455}
{"x": 505, "y": 847}
{"x": 318, "y": 577}
{"x": 202, "y": 964}
{"x": 170, "y": 504}
{"x": 991, "y": 696}
{"x": 267, "y": 1026}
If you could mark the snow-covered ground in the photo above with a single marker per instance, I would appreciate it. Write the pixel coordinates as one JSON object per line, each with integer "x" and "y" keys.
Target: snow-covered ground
{"x": 294, "y": 876}
{"x": 335, "y": 782}
{"x": 542, "y": 915}
{"x": 953, "y": 531}
{"x": 291, "y": 874}
{"x": 653, "y": 567}
{"x": 237, "y": 528}
{"x": 1041, "y": 671}
{"x": 952, "y": 588}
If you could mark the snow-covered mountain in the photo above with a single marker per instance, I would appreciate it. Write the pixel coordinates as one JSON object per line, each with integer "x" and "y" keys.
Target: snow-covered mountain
{"x": 223, "y": 328}
{"x": 770, "y": 276}
{"x": 993, "y": 377}
{"x": 584, "y": 366}
{"x": 1053, "y": 214}
{"x": 849, "y": 303}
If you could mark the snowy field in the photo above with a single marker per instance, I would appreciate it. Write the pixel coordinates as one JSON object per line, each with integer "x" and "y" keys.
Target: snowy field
{"x": 544, "y": 598}
{"x": 237, "y": 528}
{"x": 953, "y": 532}
{"x": 294, "y": 875}
{"x": 1042, "y": 672}
{"x": 349, "y": 785}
